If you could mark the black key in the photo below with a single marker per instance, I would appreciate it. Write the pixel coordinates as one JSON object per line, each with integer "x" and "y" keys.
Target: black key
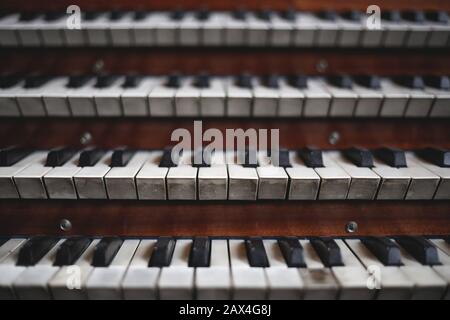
{"x": 414, "y": 16}
{"x": 34, "y": 250}
{"x": 272, "y": 81}
{"x": 438, "y": 82}
{"x": 244, "y": 80}
{"x": 70, "y": 250}
{"x": 292, "y": 251}
{"x": 202, "y": 81}
{"x": 328, "y": 251}
{"x": 105, "y": 251}
{"x": 392, "y": 156}
{"x": 361, "y": 157}
{"x": 140, "y": 15}
{"x": 132, "y": 81}
{"x": 256, "y": 253}
{"x": 91, "y": 15}
{"x": 53, "y": 16}
{"x": 78, "y": 81}
{"x": 90, "y": 157}
{"x": 36, "y": 81}
{"x": 265, "y": 15}
{"x": 384, "y": 249}
{"x": 105, "y": 81}
{"x": 121, "y": 157}
{"x": 437, "y": 16}
{"x": 203, "y": 14}
{"x": 328, "y": 15}
{"x": 421, "y": 249}
{"x": 11, "y": 155}
{"x": 437, "y": 156}
{"x": 28, "y": 16}
{"x": 166, "y": 159}
{"x": 283, "y": 158}
{"x": 299, "y": 81}
{"x": 412, "y": 82}
{"x": 341, "y": 81}
{"x": 250, "y": 158}
{"x": 59, "y": 156}
{"x": 200, "y": 252}
{"x": 177, "y": 15}
{"x": 372, "y": 82}
{"x": 9, "y": 81}
{"x": 352, "y": 15}
{"x": 116, "y": 15}
{"x": 289, "y": 15}
{"x": 174, "y": 81}
{"x": 311, "y": 156}
{"x": 393, "y": 16}
{"x": 201, "y": 159}
{"x": 162, "y": 252}
{"x": 239, "y": 14}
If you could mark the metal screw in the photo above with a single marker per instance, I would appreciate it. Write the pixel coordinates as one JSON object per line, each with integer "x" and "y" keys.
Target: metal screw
{"x": 65, "y": 225}
{"x": 86, "y": 138}
{"x": 322, "y": 65}
{"x": 351, "y": 227}
{"x": 98, "y": 66}
{"x": 334, "y": 137}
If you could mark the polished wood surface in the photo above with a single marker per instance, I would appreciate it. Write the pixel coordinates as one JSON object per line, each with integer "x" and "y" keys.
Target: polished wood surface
{"x": 223, "y": 4}
{"x": 227, "y": 60}
{"x": 294, "y": 133}
{"x": 262, "y": 218}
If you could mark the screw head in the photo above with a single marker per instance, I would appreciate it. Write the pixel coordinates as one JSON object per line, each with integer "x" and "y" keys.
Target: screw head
{"x": 98, "y": 66}
{"x": 86, "y": 138}
{"x": 351, "y": 227}
{"x": 322, "y": 65}
{"x": 334, "y": 137}
{"x": 65, "y": 225}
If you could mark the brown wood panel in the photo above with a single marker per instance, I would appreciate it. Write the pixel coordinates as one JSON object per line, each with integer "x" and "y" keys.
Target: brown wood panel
{"x": 222, "y": 4}
{"x": 155, "y": 133}
{"x": 263, "y": 218}
{"x": 227, "y": 60}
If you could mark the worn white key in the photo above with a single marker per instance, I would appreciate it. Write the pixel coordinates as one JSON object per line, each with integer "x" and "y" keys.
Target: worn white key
{"x": 423, "y": 183}
{"x": 166, "y": 32}
{"x": 257, "y": 30}
{"x": 335, "y": 182}
{"x": 395, "y": 100}
{"x": 182, "y": 179}
{"x": 212, "y": 99}
{"x": 69, "y": 283}
{"x": 319, "y": 282}
{"x": 247, "y": 282}
{"x": 214, "y": 282}
{"x": 343, "y": 101}
{"x": 235, "y": 31}
{"x": 305, "y": 30}
{"x": 8, "y": 102}
{"x": 213, "y": 180}
{"x": 54, "y": 95}
{"x": 161, "y": 100}
{"x": 120, "y": 181}
{"x": 97, "y": 32}
{"x": 187, "y": 99}
{"x": 304, "y": 181}
{"x": 394, "y": 181}
{"x": 239, "y": 100}
{"x": 291, "y": 100}
{"x": 281, "y": 31}
{"x": 272, "y": 179}
{"x": 284, "y": 283}
{"x": 369, "y": 101}
{"x": 243, "y": 181}
{"x": 441, "y": 104}
{"x": 107, "y": 100}
{"x": 90, "y": 182}
{"x": 265, "y": 100}
{"x": 390, "y": 282}
{"x": 151, "y": 179}
{"x": 105, "y": 283}
{"x": 140, "y": 280}
{"x": 81, "y": 100}
{"x": 8, "y": 188}
{"x": 8, "y": 35}
{"x": 32, "y": 283}
{"x": 9, "y": 271}
{"x": 135, "y": 100}
{"x": 177, "y": 281}
{"x": 59, "y": 180}
{"x": 364, "y": 182}
{"x": 120, "y": 30}
{"x": 189, "y": 30}
{"x": 317, "y": 100}
{"x": 212, "y": 29}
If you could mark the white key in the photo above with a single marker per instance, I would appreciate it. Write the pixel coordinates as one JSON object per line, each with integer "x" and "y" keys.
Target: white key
{"x": 284, "y": 283}
{"x": 187, "y": 99}
{"x": 265, "y": 100}
{"x": 395, "y": 100}
{"x": 182, "y": 179}
{"x": 52, "y": 32}
{"x": 140, "y": 281}
{"x": 8, "y": 102}
{"x": 371, "y": 37}
{"x": 247, "y": 282}
{"x": 291, "y": 100}
{"x": 105, "y": 283}
{"x": 214, "y": 282}
{"x": 419, "y": 104}
{"x": 8, "y": 248}
{"x": 75, "y": 37}
{"x": 243, "y": 181}
{"x": 417, "y": 35}
{"x": 306, "y": 27}
{"x": 59, "y": 180}
{"x": 166, "y": 32}
{"x": 364, "y": 182}
{"x": 161, "y": 100}
{"x": 343, "y": 101}
{"x": 9, "y": 271}
{"x": 120, "y": 181}
{"x": 212, "y": 99}
{"x": 28, "y": 32}
{"x": 304, "y": 181}
{"x": 441, "y": 103}
{"x": 352, "y": 277}
{"x": 317, "y": 101}
{"x": 213, "y": 180}
{"x": 443, "y": 270}
{"x": 30, "y": 102}
{"x": 235, "y": 31}
{"x": 66, "y": 285}
{"x": 335, "y": 182}
{"x": 151, "y": 179}
{"x": 90, "y": 182}
{"x": 81, "y": 100}
{"x": 143, "y": 30}
{"x": 107, "y": 100}
{"x": 439, "y": 35}
{"x": 394, "y": 34}
{"x": 7, "y": 183}
{"x": 423, "y": 182}
{"x": 350, "y": 32}
{"x": 135, "y": 100}
{"x": 54, "y": 95}
{"x": 272, "y": 179}
{"x": 97, "y": 31}
{"x": 394, "y": 181}
{"x": 8, "y": 36}
{"x": 189, "y": 30}
{"x": 392, "y": 282}
{"x": 212, "y": 29}
{"x": 319, "y": 282}
{"x": 239, "y": 100}
{"x": 32, "y": 283}
{"x": 327, "y": 33}
{"x": 369, "y": 101}
{"x": 257, "y": 30}
{"x": 30, "y": 181}
{"x": 177, "y": 281}
{"x": 120, "y": 30}
{"x": 281, "y": 31}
